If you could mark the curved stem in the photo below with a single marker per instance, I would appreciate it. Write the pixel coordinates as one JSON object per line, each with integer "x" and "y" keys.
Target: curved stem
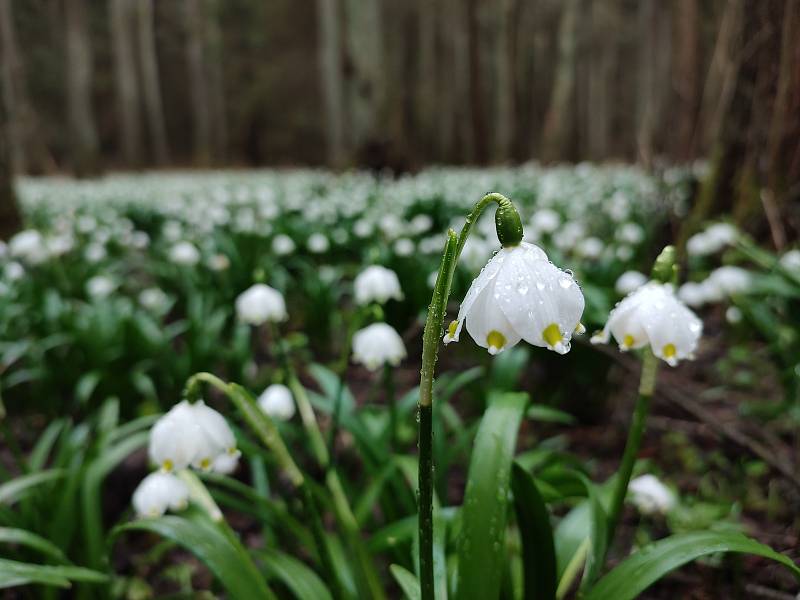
{"x": 509, "y": 230}
{"x": 647, "y": 385}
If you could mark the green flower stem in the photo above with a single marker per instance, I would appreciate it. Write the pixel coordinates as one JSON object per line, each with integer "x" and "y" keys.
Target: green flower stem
{"x": 341, "y": 369}
{"x": 388, "y": 387}
{"x": 368, "y": 575}
{"x": 509, "y": 232}
{"x": 266, "y": 430}
{"x": 647, "y": 384}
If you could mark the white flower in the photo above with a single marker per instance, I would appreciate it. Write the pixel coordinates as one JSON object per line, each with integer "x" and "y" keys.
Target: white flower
{"x": 712, "y": 240}
{"x": 653, "y": 315}
{"x": 185, "y": 254}
{"x": 693, "y": 294}
{"x": 260, "y": 304}
{"x": 651, "y": 496}
{"x": 95, "y": 252}
{"x": 630, "y": 281}
{"x": 28, "y": 245}
{"x": 420, "y": 223}
{"x": 219, "y": 262}
{"x": 277, "y": 402}
{"x": 216, "y": 436}
{"x": 733, "y": 315}
{"x": 60, "y": 244}
{"x": 518, "y": 295}
{"x": 318, "y": 243}
{"x": 791, "y": 260}
{"x": 377, "y": 284}
{"x": 100, "y": 287}
{"x": 175, "y": 439}
{"x": 591, "y": 247}
{"x": 153, "y": 299}
{"x": 404, "y": 247}
{"x": 728, "y": 280}
{"x": 225, "y": 463}
{"x": 282, "y": 245}
{"x": 377, "y": 345}
{"x": 13, "y": 271}
{"x": 545, "y": 220}
{"x": 158, "y": 492}
{"x": 630, "y": 233}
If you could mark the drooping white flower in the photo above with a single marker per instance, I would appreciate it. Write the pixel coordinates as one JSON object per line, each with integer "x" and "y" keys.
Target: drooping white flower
{"x": 282, "y": 244}
{"x": 175, "y": 439}
{"x": 377, "y": 284}
{"x": 277, "y": 401}
{"x": 650, "y": 496}
{"x": 260, "y": 304}
{"x": 733, "y": 315}
{"x": 158, "y": 492}
{"x": 376, "y": 345}
{"x": 153, "y": 299}
{"x": 712, "y": 240}
{"x": 693, "y": 294}
{"x": 629, "y": 281}
{"x": 216, "y": 436}
{"x": 728, "y": 280}
{"x": 13, "y": 271}
{"x": 225, "y": 463}
{"x": 28, "y": 245}
{"x": 185, "y": 254}
{"x": 404, "y": 247}
{"x": 518, "y": 295}
{"x": 653, "y": 315}
{"x": 791, "y": 260}
{"x": 100, "y": 287}
{"x": 318, "y": 243}
{"x": 591, "y": 247}
{"x": 219, "y": 262}
{"x": 95, "y": 252}
{"x": 545, "y": 220}
{"x": 630, "y": 233}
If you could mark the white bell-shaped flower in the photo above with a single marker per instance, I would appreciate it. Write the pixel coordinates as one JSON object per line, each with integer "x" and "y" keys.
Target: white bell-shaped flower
{"x": 216, "y": 439}
{"x": 277, "y": 402}
{"x": 377, "y": 345}
{"x": 159, "y": 492}
{"x": 654, "y": 315}
{"x": 519, "y": 295}
{"x": 175, "y": 439}
{"x": 651, "y": 496}
{"x": 260, "y": 304}
{"x": 630, "y": 281}
{"x": 377, "y": 284}
{"x": 185, "y": 254}
{"x": 225, "y": 463}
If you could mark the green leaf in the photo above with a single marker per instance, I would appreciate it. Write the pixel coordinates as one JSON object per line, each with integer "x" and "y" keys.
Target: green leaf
{"x": 304, "y": 583}
{"x": 13, "y": 573}
{"x": 538, "y": 549}
{"x": 407, "y": 582}
{"x": 22, "y": 537}
{"x": 548, "y": 414}
{"x": 636, "y": 573}
{"x": 203, "y": 538}
{"x": 481, "y": 552}
{"x": 17, "y": 488}
{"x": 507, "y": 368}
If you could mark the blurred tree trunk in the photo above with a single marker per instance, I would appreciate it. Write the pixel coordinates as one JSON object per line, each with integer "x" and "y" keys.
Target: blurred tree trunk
{"x": 478, "y": 116}
{"x": 504, "y": 59}
{"x": 27, "y": 149}
{"x": 83, "y": 135}
{"x": 455, "y": 131}
{"x": 686, "y": 76}
{"x": 122, "y": 23}
{"x": 653, "y": 74}
{"x": 366, "y": 85}
{"x": 602, "y": 59}
{"x": 214, "y": 60}
{"x": 557, "y": 129}
{"x": 329, "y": 49}
{"x": 198, "y": 80}
{"x": 151, "y": 86}
{"x": 426, "y": 97}
{"x": 10, "y": 221}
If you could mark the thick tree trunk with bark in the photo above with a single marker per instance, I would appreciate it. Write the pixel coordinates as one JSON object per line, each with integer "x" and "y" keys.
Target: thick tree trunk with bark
{"x": 329, "y": 44}
{"x": 10, "y": 221}
{"x": 686, "y": 75}
{"x": 600, "y": 86}
{"x": 83, "y": 135}
{"x": 504, "y": 56}
{"x": 121, "y": 15}
{"x": 198, "y": 80}
{"x": 476, "y": 92}
{"x": 151, "y": 85}
{"x": 558, "y": 122}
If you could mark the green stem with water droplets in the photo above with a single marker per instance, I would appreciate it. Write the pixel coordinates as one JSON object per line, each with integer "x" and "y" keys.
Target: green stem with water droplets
{"x": 509, "y": 231}
{"x": 647, "y": 384}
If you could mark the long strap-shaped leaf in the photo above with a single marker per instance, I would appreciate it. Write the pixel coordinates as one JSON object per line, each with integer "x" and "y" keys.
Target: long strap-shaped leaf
{"x": 538, "y": 550}
{"x": 13, "y": 573}
{"x": 481, "y": 552}
{"x": 640, "y": 570}
{"x": 229, "y": 563}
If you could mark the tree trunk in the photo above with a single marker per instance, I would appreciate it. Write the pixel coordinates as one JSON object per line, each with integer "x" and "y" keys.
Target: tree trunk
{"x": 329, "y": 48}
{"x": 83, "y": 134}
{"x": 127, "y": 87}
{"x": 685, "y": 76}
{"x": 10, "y": 221}
{"x": 478, "y": 116}
{"x": 603, "y": 45}
{"x": 505, "y": 88}
{"x": 198, "y": 80}
{"x": 213, "y": 47}
{"x": 654, "y": 37}
{"x": 558, "y": 122}
{"x": 151, "y": 86}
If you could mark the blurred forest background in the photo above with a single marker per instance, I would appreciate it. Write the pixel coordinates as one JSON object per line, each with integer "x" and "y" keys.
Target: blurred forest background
{"x": 90, "y": 86}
